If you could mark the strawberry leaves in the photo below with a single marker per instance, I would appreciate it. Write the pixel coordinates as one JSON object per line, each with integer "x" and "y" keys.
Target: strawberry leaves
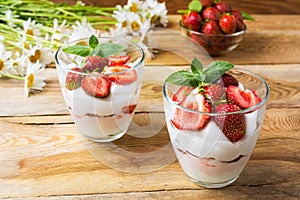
{"x": 95, "y": 48}
{"x": 197, "y": 76}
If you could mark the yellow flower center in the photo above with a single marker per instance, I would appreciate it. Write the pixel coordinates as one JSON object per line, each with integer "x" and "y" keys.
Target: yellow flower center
{"x": 153, "y": 19}
{"x": 135, "y": 26}
{"x": 26, "y": 45}
{"x": 1, "y": 64}
{"x": 30, "y": 80}
{"x": 35, "y": 57}
{"x": 134, "y": 8}
{"x": 29, "y": 32}
{"x": 124, "y": 24}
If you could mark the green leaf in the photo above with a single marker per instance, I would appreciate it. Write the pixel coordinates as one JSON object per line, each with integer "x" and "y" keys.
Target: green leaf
{"x": 246, "y": 16}
{"x": 107, "y": 49}
{"x": 183, "y": 77}
{"x": 215, "y": 70}
{"x": 196, "y": 66}
{"x": 80, "y": 50}
{"x": 195, "y": 5}
{"x": 93, "y": 41}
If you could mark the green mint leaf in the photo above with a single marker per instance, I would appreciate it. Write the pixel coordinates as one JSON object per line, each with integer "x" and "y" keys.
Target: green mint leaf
{"x": 183, "y": 77}
{"x": 247, "y": 16}
{"x": 108, "y": 49}
{"x": 93, "y": 41}
{"x": 80, "y": 50}
{"x": 195, "y": 5}
{"x": 196, "y": 66}
{"x": 215, "y": 70}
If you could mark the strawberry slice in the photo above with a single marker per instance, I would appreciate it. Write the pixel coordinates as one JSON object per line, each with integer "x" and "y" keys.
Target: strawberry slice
{"x": 73, "y": 80}
{"x": 95, "y": 63}
{"x": 96, "y": 86}
{"x": 234, "y": 125}
{"x": 214, "y": 92}
{"x": 185, "y": 120}
{"x": 129, "y": 109}
{"x": 118, "y": 60}
{"x": 120, "y": 77}
{"x": 243, "y": 98}
{"x": 181, "y": 93}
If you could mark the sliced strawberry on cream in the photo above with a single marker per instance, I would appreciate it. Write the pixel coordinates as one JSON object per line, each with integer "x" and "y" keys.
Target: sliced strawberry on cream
{"x": 123, "y": 74}
{"x": 188, "y": 120}
{"x": 96, "y": 86}
{"x": 243, "y": 98}
{"x": 118, "y": 60}
{"x": 181, "y": 93}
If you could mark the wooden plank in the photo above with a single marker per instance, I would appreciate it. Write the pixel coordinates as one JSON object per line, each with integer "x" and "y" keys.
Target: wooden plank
{"x": 40, "y": 159}
{"x": 257, "y": 7}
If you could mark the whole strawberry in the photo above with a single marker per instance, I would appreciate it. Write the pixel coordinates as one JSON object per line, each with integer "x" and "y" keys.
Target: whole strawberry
{"x": 232, "y": 125}
{"x": 192, "y": 20}
{"x": 211, "y": 27}
{"x": 227, "y": 80}
{"x": 214, "y": 92}
{"x": 223, "y": 6}
{"x": 240, "y": 25}
{"x": 73, "y": 79}
{"x": 228, "y": 23}
{"x": 206, "y": 3}
{"x": 211, "y": 13}
{"x": 95, "y": 63}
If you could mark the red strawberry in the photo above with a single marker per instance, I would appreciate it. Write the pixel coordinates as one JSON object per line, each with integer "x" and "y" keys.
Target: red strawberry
{"x": 226, "y": 80}
{"x": 95, "y": 63}
{"x": 240, "y": 25}
{"x": 214, "y": 92}
{"x": 223, "y": 6}
{"x": 121, "y": 74}
{"x": 192, "y": 20}
{"x": 243, "y": 98}
{"x": 228, "y": 23}
{"x": 128, "y": 109}
{"x": 234, "y": 125}
{"x": 118, "y": 60}
{"x": 206, "y": 3}
{"x": 211, "y": 27}
{"x": 211, "y": 13}
{"x": 185, "y": 120}
{"x": 96, "y": 86}
{"x": 73, "y": 80}
{"x": 181, "y": 93}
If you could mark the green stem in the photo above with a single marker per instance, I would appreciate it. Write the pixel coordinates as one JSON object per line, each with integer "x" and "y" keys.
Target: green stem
{"x": 12, "y": 76}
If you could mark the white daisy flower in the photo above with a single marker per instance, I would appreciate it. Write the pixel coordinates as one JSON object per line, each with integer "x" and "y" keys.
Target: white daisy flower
{"x": 31, "y": 28}
{"x": 34, "y": 80}
{"x": 82, "y": 30}
{"x": 158, "y": 15}
{"x": 134, "y": 6}
{"x": 19, "y": 64}
{"x": 10, "y": 17}
{"x": 58, "y": 31}
{"x": 39, "y": 53}
{"x": 5, "y": 61}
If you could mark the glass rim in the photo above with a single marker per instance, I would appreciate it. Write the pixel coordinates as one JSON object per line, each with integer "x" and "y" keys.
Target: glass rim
{"x": 204, "y": 34}
{"x": 142, "y": 57}
{"x": 243, "y": 111}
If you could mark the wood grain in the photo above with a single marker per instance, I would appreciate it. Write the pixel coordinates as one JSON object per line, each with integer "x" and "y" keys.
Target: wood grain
{"x": 252, "y": 7}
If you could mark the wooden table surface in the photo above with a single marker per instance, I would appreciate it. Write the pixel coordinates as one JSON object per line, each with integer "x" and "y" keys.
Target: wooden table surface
{"x": 43, "y": 157}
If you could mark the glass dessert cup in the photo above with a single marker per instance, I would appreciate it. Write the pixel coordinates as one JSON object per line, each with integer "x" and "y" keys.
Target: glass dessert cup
{"x": 102, "y": 119}
{"x": 215, "y": 45}
{"x": 206, "y": 155}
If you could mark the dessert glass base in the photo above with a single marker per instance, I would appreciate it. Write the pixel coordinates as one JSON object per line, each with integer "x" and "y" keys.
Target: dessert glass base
{"x": 213, "y": 185}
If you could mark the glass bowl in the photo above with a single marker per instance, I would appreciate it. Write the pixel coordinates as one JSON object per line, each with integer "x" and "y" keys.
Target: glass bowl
{"x": 215, "y": 45}
{"x": 102, "y": 118}
{"x": 206, "y": 155}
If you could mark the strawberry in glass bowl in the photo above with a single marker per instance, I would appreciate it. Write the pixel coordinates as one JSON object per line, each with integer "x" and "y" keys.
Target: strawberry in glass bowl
{"x": 214, "y": 117}
{"x": 101, "y": 80}
{"x": 214, "y": 25}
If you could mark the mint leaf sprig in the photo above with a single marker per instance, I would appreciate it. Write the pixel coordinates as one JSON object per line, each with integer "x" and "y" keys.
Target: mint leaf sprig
{"x": 95, "y": 48}
{"x": 198, "y": 77}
